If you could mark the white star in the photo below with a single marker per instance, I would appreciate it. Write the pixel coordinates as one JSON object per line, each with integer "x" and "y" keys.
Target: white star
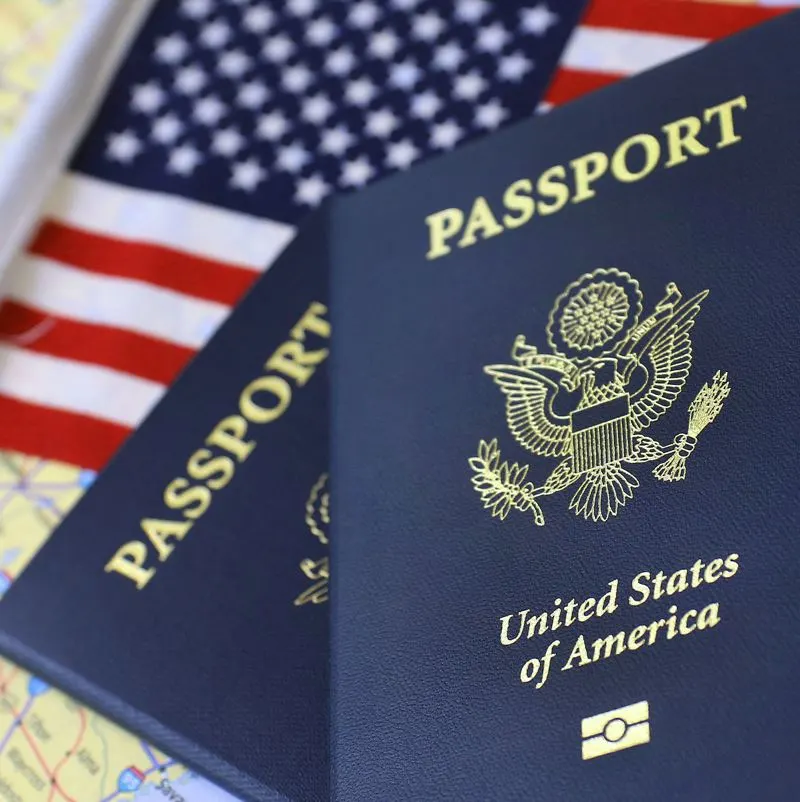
{"x": 356, "y": 173}
{"x": 302, "y": 8}
{"x": 190, "y": 80}
{"x": 469, "y": 86}
{"x": 209, "y": 110}
{"x": 247, "y": 175}
{"x": 427, "y": 26}
{"x": 278, "y": 48}
{"x": 184, "y": 159}
{"x": 401, "y": 154}
{"x": 446, "y": 134}
{"x": 171, "y": 49}
{"x": 258, "y": 19}
{"x": 196, "y": 9}
{"x": 340, "y": 61}
{"x": 311, "y": 190}
{"x": 363, "y": 15}
{"x": 317, "y": 108}
{"x": 360, "y": 92}
{"x": 381, "y": 123}
{"x": 167, "y": 129}
{"x": 321, "y": 32}
{"x": 123, "y": 147}
{"x": 404, "y": 74}
{"x": 492, "y": 39}
{"x": 272, "y": 126}
{"x": 292, "y": 158}
{"x": 234, "y": 64}
{"x": 471, "y": 10}
{"x": 514, "y": 67}
{"x": 215, "y": 34}
{"x": 448, "y": 56}
{"x": 253, "y": 94}
{"x": 336, "y": 141}
{"x": 227, "y": 141}
{"x": 538, "y": 19}
{"x": 148, "y": 97}
{"x": 405, "y": 5}
{"x": 297, "y": 78}
{"x": 425, "y": 105}
{"x": 490, "y": 114}
{"x": 383, "y": 44}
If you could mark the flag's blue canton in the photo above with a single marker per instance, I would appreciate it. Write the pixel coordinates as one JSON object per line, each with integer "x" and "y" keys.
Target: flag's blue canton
{"x": 267, "y": 107}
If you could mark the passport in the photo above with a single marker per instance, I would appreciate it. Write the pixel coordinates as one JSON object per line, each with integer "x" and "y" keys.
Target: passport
{"x": 565, "y": 451}
{"x": 185, "y": 597}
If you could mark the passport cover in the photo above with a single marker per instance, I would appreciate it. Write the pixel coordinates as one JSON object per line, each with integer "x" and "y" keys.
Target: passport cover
{"x": 565, "y": 451}
{"x": 185, "y": 595}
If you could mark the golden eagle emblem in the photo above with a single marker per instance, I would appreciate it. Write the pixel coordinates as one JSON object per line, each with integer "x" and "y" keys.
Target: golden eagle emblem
{"x": 588, "y": 403}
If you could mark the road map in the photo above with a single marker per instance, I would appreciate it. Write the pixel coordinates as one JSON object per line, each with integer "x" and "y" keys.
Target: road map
{"x": 51, "y": 748}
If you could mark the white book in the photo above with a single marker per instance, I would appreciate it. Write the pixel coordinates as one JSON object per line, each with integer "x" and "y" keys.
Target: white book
{"x": 57, "y": 58}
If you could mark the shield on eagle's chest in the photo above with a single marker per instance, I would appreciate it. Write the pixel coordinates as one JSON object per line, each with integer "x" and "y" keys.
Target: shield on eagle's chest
{"x": 601, "y": 434}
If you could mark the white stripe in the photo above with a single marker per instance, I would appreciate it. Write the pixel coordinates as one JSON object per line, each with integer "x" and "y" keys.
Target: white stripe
{"x": 620, "y": 52}
{"x": 76, "y": 387}
{"x": 111, "y": 301}
{"x": 210, "y": 232}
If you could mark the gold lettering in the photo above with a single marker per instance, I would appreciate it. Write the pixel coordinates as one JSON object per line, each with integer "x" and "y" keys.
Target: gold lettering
{"x": 505, "y": 640}
{"x": 312, "y": 321}
{"x": 548, "y": 187}
{"x": 128, "y": 561}
{"x": 586, "y": 170}
{"x": 443, "y": 226}
{"x": 615, "y": 642}
{"x": 677, "y": 583}
{"x": 619, "y": 163}
{"x": 291, "y": 359}
{"x": 179, "y": 494}
{"x": 275, "y": 385}
{"x": 709, "y": 617}
{"x": 203, "y": 465}
{"x": 537, "y": 620}
{"x": 684, "y": 626}
{"x": 724, "y": 111}
{"x": 713, "y": 571}
{"x": 517, "y": 198}
{"x": 636, "y": 638}
{"x": 640, "y": 585}
{"x": 607, "y": 603}
{"x": 731, "y": 566}
{"x": 585, "y": 610}
{"x": 578, "y": 653}
{"x": 682, "y": 140}
{"x": 480, "y": 219}
{"x": 229, "y": 434}
{"x": 159, "y": 531}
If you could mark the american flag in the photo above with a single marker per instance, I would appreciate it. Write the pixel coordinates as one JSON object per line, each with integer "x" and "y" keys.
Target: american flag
{"x": 228, "y": 121}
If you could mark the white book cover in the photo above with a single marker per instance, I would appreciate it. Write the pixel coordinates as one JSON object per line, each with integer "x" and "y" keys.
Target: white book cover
{"x": 56, "y": 60}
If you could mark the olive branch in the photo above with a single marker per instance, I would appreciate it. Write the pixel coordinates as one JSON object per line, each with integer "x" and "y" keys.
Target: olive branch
{"x": 503, "y": 485}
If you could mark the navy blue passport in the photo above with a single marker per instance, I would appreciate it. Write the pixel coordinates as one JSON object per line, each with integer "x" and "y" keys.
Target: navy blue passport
{"x": 185, "y": 595}
{"x": 565, "y": 451}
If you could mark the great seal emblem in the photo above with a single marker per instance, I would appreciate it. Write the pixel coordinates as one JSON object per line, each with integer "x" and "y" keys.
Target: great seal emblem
{"x": 608, "y": 377}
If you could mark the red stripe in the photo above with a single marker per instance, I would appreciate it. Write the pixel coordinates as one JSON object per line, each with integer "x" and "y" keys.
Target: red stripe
{"x": 121, "y": 350}
{"x": 570, "y": 84}
{"x": 677, "y": 17}
{"x": 154, "y": 264}
{"x": 55, "y": 434}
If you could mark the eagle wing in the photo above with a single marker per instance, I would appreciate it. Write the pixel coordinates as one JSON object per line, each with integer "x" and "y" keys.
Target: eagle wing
{"x": 529, "y": 397}
{"x": 666, "y": 356}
